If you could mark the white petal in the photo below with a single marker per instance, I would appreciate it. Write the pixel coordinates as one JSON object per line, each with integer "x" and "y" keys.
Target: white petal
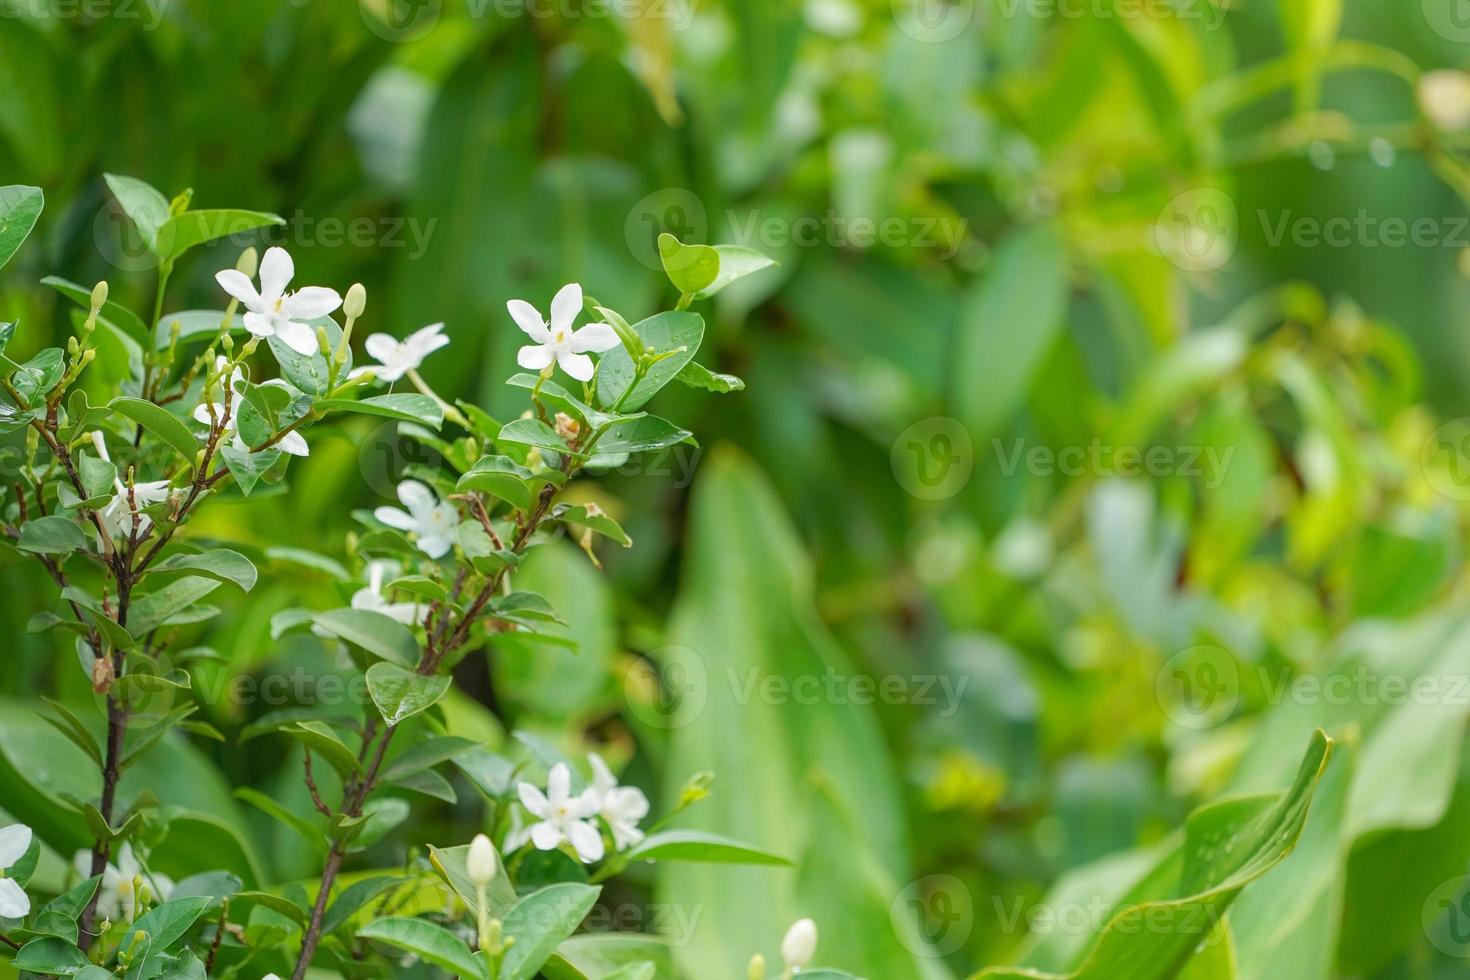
{"x": 565, "y": 306}
{"x": 310, "y": 302}
{"x": 526, "y": 317}
{"x": 586, "y": 840}
{"x": 534, "y": 358}
{"x": 238, "y": 285}
{"x": 578, "y": 366}
{"x": 298, "y": 336}
{"x": 435, "y": 545}
{"x": 546, "y": 836}
{"x": 533, "y": 799}
{"x": 294, "y": 444}
{"x": 395, "y": 518}
{"x": 603, "y": 781}
{"x": 382, "y": 347}
{"x": 418, "y": 498}
{"x": 127, "y": 862}
{"x": 14, "y": 841}
{"x": 628, "y": 804}
{"x": 625, "y": 835}
{"x": 596, "y": 338}
{"x": 260, "y": 325}
{"x": 559, "y": 784}
{"x": 13, "y": 901}
{"x": 201, "y": 413}
{"x": 276, "y": 271}
{"x": 82, "y": 861}
{"x": 426, "y": 340}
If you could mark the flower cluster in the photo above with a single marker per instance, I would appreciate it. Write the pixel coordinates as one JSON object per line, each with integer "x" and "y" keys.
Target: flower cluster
{"x": 564, "y": 818}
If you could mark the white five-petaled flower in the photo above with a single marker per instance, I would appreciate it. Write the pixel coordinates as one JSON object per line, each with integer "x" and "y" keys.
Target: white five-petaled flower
{"x": 563, "y": 817}
{"x": 117, "y": 895}
{"x": 621, "y": 806}
{"x": 800, "y": 944}
{"x": 274, "y": 312}
{"x": 119, "y": 516}
{"x": 15, "y": 840}
{"x": 211, "y": 413}
{"x": 371, "y": 598}
{"x": 557, "y": 340}
{"x": 432, "y": 522}
{"x": 398, "y": 357}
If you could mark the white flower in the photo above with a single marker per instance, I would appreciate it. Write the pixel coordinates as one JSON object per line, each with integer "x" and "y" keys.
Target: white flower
{"x": 118, "y": 516}
{"x": 275, "y": 312}
{"x": 15, "y": 840}
{"x": 557, "y": 340}
{"x": 563, "y": 816}
{"x": 371, "y": 598}
{"x": 210, "y": 413}
{"x": 432, "y": 522}
{"x": 398, "y": 357}
{"x": 800, "y": 944}
{"x": 519, "y": 835}
{"x": 621, "y": 806}
{"x": 116, "y": 897}
{"x": 480, "y": 863}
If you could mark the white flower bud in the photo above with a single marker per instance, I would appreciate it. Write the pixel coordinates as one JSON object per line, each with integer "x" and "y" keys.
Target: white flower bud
{"x": 355, "y": 302}
{"x": 99, "y": 295}
{"x": 1444, "y": 96}
{"x": 481, "y": 864}
{"x": 800, "y": 944}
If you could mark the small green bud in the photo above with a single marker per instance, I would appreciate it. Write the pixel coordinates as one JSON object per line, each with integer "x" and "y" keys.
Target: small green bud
{"x": 249, "y": 262}
{"x": 355, "y": 302}
{"x": 321, "y": 339}
{"x": 695, "y": 790}
{"x": 227, "y": 342}
{"x": 88, "y": 356}
{"x": 757, "y": 968}
{"x": 99, "y": 295}
{"x": 71, "y": 346}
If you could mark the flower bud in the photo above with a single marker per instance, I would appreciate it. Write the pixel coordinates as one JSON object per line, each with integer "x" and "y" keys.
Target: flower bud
{"x": 355, "y": 302}
{"x": 757, "y": 968}
{"x": 800, "y": 944}
{"x": 481, "y": 863}
{"x": 1444, "y": 96}
{"x": 567, "y": 427}
{"x": 249, "y": 262}
{"x": 99, "y": 295}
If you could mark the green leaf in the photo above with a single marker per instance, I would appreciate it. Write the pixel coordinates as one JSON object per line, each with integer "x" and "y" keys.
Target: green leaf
{"x": 694, "y": 845}
{"x": 51, "y": 955}
{"x": 736, "y": 262}
{"x": 320, "y": 738}
{"x": 691, "y": 268}
{"x": 353, "y": 898}
{"x": 193, "y": 325}
{"x": 401, "y": 693}
{"x": 499, "y": 476}
{"x": 678, "y": 334}
{"x": 51, "y": 535}
{"x": 407, "y": 407}
{"x": 220, "y": 564}
{"x": 538, "y": 924}
{"x": 1228, "y": 845}
{"x": 152, "y": 610}
{"x": 36, "y": 377}
{"x": 591, "y": 516}
{"x": 71, "y": 726}
{"x": 145, "y": 207}
{"x": 309, "y": 832}
{"x": 642, "y": 434}
{"x": 1007, "y": 329}
{"x": 246, "y": 467}
{"x": 696, "y": 375}
{"x": 276, "y": 903}
{"x": 166, "y": 923}
{"x": 374, "y": 632}
{"x": 425, "y": 754}
{"x": 161, "y": 423}
{"x": 533, "y": 432}
{"x": 20, "y": 206}
{"x": 97, "y": 475}
{"x": 119, "y": 317}
{"x": 184, "y": 231}
{"x": 429, "y": 942}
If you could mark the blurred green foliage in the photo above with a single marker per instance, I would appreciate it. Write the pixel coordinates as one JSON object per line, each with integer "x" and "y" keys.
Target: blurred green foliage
{"x": 1107, "y": 437}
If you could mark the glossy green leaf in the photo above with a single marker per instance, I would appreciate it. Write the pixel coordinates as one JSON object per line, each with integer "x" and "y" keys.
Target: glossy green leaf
{"x": 20, "y": 206}
{"x": 401, "y": 694}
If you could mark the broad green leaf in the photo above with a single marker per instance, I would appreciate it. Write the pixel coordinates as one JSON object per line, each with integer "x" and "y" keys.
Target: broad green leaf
{"x": 220, "y": 564}
{"x": 194, "y": 325}
{"x": 696, "y": 375}
{"x": 691, "y": 268}
{"x": 592, "y": 516}
{"x": 499, "y": 476}
{"x": 184, "y": 231}
{"x": 166, "y": 923}
{"x": 353, "y": 898}
{"x": 429, "y": 942}
{"x": 403, "y": 407}
{"x": 152, "y": 610}
{"x": 145, "y": 207}
{"x": 97, "y": 475}
{"x": 309, "y": 832}
{"x": 642, "y": 434}
{"x": 320, "y": 738}
{"x": 246, "y": 467}
{"x": 694, "y": 845}
{"x": 736, "y": 262}
{"x": 539, "y": 922}
{"x": 532, "y": 432}
{"x": 36, "y": 377}
{"x": 677, "y": 333}
{"x": 51, "y": 956}
{"x": 51, "y": 535}
{"x": 20, "y": 206}
{"x": 425, "y": 754}
{"x": 125, "y": 321}
{"x": 400, "y": 693}
{"x": 160, "y": 422}
{"x": 376, "y": 633}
